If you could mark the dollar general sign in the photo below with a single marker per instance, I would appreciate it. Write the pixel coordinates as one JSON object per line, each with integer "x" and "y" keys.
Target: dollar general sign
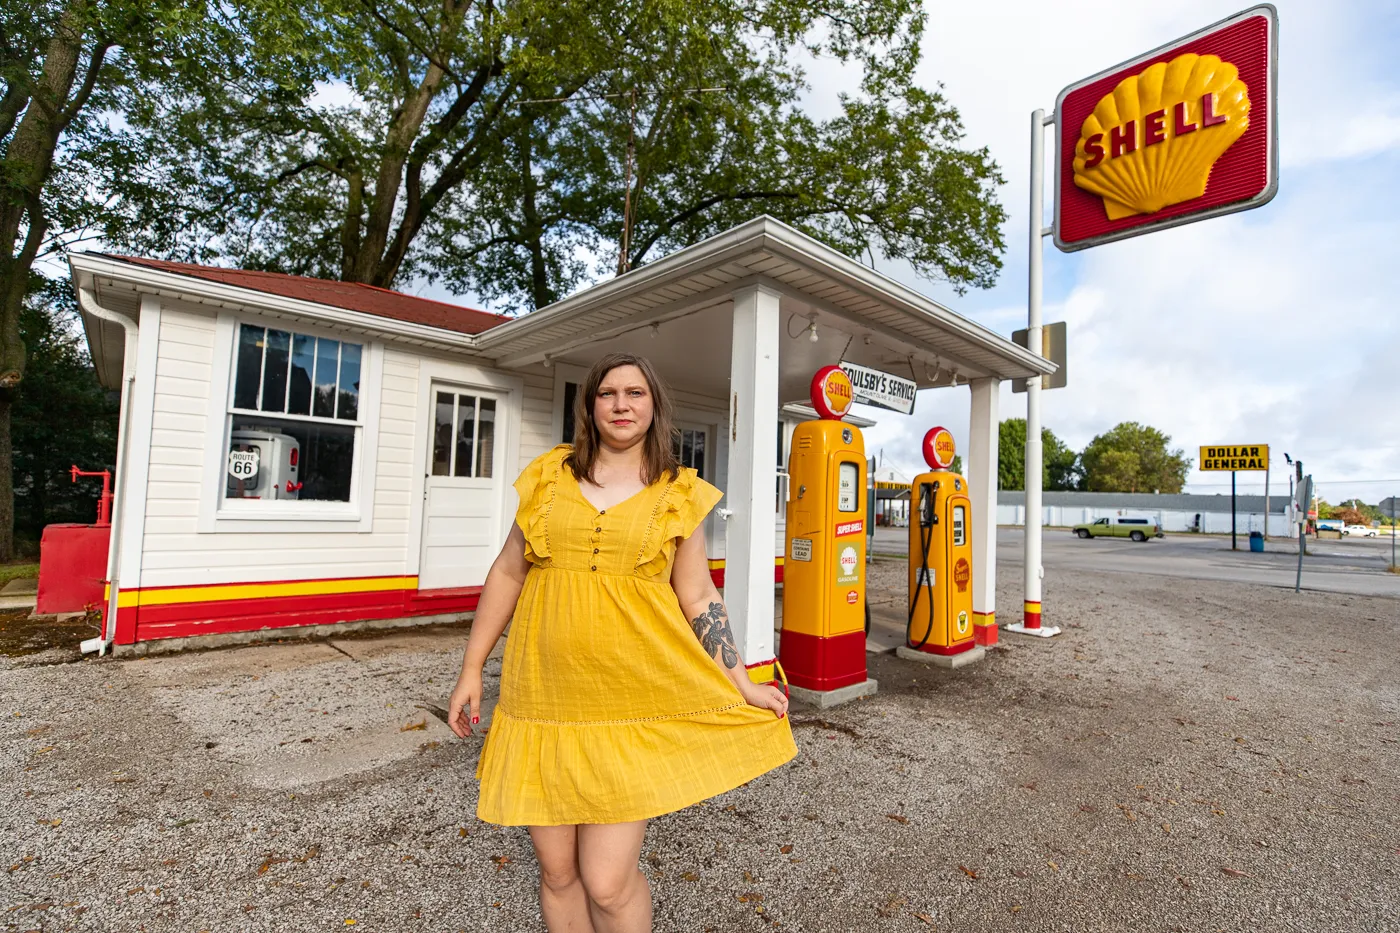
{"x": 1240, "y": 457}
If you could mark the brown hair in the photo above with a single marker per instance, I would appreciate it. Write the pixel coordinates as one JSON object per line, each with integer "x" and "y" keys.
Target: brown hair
{"x": 658, "y": 453}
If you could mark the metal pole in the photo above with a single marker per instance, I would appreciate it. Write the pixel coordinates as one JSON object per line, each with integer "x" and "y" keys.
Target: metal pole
{"x": 1034, "y": 572}
{"x": 1305, "y": 499}
{"x": 1266, "y": 505}
{"x": 1392, "y": 530}
{"x": 1233, "y": 545}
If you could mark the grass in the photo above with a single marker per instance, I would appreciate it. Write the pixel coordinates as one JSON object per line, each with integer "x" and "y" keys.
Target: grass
{"x": 10, "y": 572}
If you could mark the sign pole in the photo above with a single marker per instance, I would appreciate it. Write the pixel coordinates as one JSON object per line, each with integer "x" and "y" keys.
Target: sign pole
{"x": 1266, "y": 505}
{"x": 1034, "y": 572}
{"x": 1233, "y": 545}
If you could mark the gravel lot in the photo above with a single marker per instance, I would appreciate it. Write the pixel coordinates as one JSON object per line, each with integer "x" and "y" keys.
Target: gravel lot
{"x": 1193, "y": 756}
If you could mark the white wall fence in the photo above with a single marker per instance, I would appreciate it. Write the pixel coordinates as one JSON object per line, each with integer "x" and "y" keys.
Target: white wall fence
{"x": 1058, "y": 516}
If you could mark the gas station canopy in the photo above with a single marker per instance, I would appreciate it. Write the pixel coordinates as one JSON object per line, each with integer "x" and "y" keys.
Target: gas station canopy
{"x": 677, "y": 312}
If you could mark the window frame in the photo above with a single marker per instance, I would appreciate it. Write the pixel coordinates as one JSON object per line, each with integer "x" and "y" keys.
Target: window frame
{"x": 218, "y": 514}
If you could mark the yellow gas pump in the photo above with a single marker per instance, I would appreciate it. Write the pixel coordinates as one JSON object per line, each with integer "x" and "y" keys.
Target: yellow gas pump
{"x": 823, "y": 638}
{"x": 940, "y": 554}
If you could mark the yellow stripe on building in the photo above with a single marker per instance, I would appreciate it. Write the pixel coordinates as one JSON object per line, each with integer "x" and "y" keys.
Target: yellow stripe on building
{"x": 169, "y": 596}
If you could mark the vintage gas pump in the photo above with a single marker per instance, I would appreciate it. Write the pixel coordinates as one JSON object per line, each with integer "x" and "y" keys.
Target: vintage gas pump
{"x": 940, "y": 559}
{"x": 823, "y": 640}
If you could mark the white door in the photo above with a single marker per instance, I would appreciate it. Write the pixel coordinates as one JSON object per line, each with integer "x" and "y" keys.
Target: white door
{"x": 461, "y": 488}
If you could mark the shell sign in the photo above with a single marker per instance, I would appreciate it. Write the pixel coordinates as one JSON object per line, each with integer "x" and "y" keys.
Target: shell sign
{"x": 1183, "y": 133}
{"x": 832, "y": 393}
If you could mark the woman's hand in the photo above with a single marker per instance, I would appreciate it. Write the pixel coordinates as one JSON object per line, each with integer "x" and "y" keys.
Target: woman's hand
{"x": 765, "y": 696}
{"x": 466, "y": 696}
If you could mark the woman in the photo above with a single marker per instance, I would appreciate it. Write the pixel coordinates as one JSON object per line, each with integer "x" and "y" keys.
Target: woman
{"x": 613, "y": 708}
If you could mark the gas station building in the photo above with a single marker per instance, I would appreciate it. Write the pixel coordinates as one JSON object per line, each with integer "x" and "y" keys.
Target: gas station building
{"x": 295, "y": 452}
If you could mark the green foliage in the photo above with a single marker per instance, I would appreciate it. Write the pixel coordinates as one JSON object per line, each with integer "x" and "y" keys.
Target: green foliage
{"x": 487, "y": 146}
{"x": 1133, "y": 457}
{"x": 62, "y": 418}
{"x": 1059, "y": 464}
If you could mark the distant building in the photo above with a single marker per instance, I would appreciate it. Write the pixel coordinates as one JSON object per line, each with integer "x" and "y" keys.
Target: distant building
{"x": 1173, "y": 511}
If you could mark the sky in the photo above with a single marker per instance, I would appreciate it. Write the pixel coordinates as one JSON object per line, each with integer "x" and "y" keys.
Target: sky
{"x": 1271, "y": 326}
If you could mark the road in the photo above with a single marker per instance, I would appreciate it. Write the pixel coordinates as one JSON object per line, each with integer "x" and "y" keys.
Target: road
{"x": 1350, "y": 565}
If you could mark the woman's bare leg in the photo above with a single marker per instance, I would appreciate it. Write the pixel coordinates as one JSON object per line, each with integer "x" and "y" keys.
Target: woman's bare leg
{"x": 562, "y": 899}
{"x": 619, "y": 899}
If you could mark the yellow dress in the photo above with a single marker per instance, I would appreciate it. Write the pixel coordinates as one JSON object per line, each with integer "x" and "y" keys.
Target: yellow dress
{"x": 610, "y": 710}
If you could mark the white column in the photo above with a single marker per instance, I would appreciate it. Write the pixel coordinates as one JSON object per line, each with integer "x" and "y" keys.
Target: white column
{"x": 752, "y": 481}
{"x": 982, "y": 458}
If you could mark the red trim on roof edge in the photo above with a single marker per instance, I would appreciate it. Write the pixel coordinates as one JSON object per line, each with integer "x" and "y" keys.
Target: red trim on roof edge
{"x": 349, "y": 296}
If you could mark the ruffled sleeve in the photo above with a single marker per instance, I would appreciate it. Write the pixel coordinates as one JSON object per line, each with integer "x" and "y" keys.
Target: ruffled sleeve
{"x": 536, "y": 487}
{"x": 681, "y": 509}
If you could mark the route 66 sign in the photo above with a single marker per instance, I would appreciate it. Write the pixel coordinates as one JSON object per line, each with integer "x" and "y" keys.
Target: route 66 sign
{"x": 243, "y": 464}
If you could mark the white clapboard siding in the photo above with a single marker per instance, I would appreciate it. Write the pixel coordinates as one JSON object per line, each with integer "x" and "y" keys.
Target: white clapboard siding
{"x": 536, "y": 419}
{"x": 174, "y": 553}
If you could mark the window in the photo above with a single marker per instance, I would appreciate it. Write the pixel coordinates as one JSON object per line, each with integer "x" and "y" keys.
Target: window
{"x": 959, "y": 526}
{"x": 570, "y": 393}
{"x": 690, "y": 447}
{"x": 464, "y": 435}
{"x": 294, "y": 424}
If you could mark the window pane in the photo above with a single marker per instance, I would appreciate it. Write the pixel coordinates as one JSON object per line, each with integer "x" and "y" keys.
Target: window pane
{"x": 303, "y": 360}
{"x": 348, "y": 406}
{"x": 688, "y": 448}
{"x": 780, "y": 445}
{"x": 248, "y": 368}
{"x": 466, "y": 423}
{"x": 959, "y": 530}
{"x": 442, "y": 435}
{"x": 486, "y": 438}
{"x": 274, "y": 391}
{"x": 273, "y": 458}
{"x": 699, "y": 463}
{"x": 327, "y": 360}
{"x": 570, "y": 393}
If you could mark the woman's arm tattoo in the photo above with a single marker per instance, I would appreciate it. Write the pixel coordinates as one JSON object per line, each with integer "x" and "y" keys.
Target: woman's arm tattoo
{"x": 712, "y": 628}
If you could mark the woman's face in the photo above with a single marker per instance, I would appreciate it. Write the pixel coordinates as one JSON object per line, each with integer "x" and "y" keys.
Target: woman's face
{"x": 622, "y": 408}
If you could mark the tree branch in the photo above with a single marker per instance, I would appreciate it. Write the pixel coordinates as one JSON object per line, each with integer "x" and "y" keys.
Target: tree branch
{"x": 666, "y": 226}
{"x": 95, "y": 60}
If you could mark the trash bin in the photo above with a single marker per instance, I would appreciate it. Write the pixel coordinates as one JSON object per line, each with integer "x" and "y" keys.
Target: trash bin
{"x": 1256, "y": 542}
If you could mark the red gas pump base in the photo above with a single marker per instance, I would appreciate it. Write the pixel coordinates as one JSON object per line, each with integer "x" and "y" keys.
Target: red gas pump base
{"x": 961, "y": 658}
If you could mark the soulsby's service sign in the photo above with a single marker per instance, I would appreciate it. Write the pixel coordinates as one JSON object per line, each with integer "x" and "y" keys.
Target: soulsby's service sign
{"x": 1180, "y": 134}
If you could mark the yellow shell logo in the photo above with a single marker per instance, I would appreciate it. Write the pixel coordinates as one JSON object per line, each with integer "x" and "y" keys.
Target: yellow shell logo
{"x": 838, "y": 391}
{"x": 1151, "y": 143}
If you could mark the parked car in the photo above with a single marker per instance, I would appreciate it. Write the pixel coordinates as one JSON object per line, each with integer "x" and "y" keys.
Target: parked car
{"x": 1139, "y": 529}
{"x": 1361, "y": 531}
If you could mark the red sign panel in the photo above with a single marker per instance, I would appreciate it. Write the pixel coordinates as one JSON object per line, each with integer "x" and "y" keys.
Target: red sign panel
{"x": 849, "y": 528}
{"x": 1180, "y": 134}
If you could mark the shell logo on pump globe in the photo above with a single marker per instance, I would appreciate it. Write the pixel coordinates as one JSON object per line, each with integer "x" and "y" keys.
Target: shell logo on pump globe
{"x": 939, "y": 448}
{"x": 832, "y": 393}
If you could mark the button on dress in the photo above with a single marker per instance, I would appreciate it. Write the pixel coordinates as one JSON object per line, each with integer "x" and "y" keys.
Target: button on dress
{"x": 610, "y": 709}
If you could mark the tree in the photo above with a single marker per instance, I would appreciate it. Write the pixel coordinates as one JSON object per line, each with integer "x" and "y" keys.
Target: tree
{"x": 60, "y": 64}
{"x": 1133, "y": 458}
{"x": 61, "y": 418}
{"x": 491, "y": 146}
{"x": 1059, "y": 465}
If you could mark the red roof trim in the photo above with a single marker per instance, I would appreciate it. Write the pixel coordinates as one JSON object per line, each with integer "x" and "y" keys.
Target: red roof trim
{"x": 348, "y": 296}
